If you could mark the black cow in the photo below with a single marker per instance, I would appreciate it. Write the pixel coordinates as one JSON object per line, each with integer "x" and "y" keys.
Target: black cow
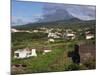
{"x": 75, "y": 54}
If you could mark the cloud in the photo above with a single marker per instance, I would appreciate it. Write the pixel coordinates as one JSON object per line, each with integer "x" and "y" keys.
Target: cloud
{"x": 53, "y": 12}
{"x": 84, "y": 12}
{"x": 16, "y": 20}
{"x": 20, "y": 20}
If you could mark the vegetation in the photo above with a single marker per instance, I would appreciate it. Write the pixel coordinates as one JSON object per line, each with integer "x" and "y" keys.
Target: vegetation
{"x": 58, "y": 59}
{"x": 59, "y": 24}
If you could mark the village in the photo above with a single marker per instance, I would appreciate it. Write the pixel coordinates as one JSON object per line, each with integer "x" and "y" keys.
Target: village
{"x": 33, "y": 49}
{"x": 52, "y": 35}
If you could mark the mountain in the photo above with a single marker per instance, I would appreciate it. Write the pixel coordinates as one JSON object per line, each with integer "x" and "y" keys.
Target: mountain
{"x": 70, "y": 23}
{"x": 58, "y": 14}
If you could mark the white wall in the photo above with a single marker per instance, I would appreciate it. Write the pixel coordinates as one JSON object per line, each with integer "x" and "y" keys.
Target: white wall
{"x": 22, "y": 53}
{"x": 33, "y": 53}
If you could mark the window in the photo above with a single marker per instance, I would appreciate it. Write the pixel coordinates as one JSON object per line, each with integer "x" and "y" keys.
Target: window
{"x": 29, "y": 53}
{"x": 17, "y": 54}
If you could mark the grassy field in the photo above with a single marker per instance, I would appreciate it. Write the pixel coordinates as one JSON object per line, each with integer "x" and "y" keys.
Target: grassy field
{"x": 51, "y": 62}
{"x": 55, "y": 61}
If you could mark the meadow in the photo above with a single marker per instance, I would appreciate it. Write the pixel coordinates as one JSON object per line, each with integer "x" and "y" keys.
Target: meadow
{"x": 55, "y": 61}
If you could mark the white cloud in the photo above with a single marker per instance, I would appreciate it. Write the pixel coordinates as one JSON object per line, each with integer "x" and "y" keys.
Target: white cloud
{"x": 85, "y": 12}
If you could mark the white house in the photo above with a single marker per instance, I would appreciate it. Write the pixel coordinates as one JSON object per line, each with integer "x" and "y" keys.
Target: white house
{"x": 53, "y": 35}
{"x": 24, "y": 53}
{"x": 51, "y": 40}
{"x": 89, "y": 36}
{"x": 14, "y": 30}
{"x": 46, "y": 51}
{"x": 28, "y": 31}
{"x": 71, "y": 36}
{"x": 35, "y": 31}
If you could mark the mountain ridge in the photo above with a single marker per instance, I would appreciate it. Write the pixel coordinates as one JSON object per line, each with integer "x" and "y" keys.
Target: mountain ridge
{"x": 61, "y": 23}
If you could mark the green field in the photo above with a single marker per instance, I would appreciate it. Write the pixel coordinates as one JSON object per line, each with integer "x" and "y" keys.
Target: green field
{"x": 58, "y": 59}
{"x": 55, "y": 61}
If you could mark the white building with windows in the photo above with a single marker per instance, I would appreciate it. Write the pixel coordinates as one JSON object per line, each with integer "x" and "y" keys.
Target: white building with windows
{"x": 53, "y": 35}
{"x": 25, "y": 53}
{"x": 70, "y": 36}
{"x": 89, "y": 36}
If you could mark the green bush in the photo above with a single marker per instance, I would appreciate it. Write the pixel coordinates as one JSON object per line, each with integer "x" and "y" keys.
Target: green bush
{"x": 72, "y": 67}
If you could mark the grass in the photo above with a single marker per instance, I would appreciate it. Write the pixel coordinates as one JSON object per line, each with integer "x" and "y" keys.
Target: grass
{"x": 51, "y": 62}
{"x": 55, "y": 61}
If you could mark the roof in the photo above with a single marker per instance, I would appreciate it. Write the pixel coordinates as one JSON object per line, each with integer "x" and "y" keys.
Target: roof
{"x": 27, "y": 49}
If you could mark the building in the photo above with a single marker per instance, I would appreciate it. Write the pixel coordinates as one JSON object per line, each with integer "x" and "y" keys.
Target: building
{"x": 24, "y": 53}
{"x": 68, "y": 36}
{"x": 51, "y": 40}
{"x": 89, "y": 36}
{"x": 35, "y": 31}
{"x": 46, "y": 50}
{"x": 71, "y": 36}
{"x": 14, "y": 30}
{"x": 53, "y": 35}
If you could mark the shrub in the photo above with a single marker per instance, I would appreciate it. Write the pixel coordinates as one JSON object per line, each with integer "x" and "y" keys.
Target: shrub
{"x": 72, "y": 67}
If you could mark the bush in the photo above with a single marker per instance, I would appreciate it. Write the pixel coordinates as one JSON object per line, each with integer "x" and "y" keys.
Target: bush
{"x": 72, "y": 67}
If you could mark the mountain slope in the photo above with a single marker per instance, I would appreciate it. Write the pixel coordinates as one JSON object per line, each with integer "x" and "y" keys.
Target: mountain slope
{"x": 71, "y": 23}
{"x": 58, "y": 14}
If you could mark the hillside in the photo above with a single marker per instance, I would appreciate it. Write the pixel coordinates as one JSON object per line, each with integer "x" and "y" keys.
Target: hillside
{"x": 71, "y": 23}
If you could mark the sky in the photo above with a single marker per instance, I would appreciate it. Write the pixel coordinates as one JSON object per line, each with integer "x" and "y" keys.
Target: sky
{"x": 29, "y": 12}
